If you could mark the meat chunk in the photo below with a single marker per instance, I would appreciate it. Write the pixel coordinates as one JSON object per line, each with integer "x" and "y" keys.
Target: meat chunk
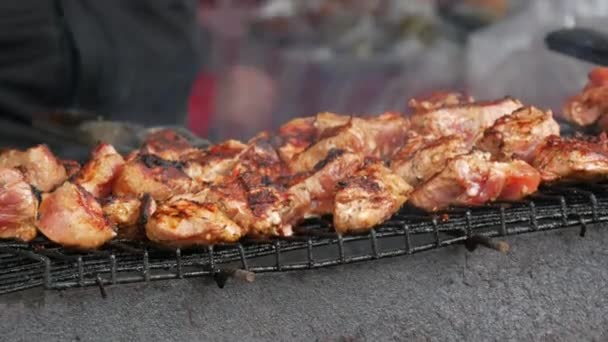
{"x": 207, "y": 166}
{"x": 466, "y": 120}
{"x": 39, "y": 165}
{"x": 71, "y": 217}
{"x": 473, "y": 179}
{"x": 591, "y": 104}
{"x": 18, "y": 206}
{"x": 517, "y": 135}
{"x": 98, "y": 174}
{"x": 438, "y": 100}
{"x": 72, "y": 167}
{"x": 148, "y": 174}
{"x": 423, "y": 157}
{"x": 183, "y": 222}
{"x": 166, "y": 144}
{"x": 571, "y": 159}
{"x": 378, "y": 137}
{"x": 129, "y": 214}
{"x": 368, "y": 198}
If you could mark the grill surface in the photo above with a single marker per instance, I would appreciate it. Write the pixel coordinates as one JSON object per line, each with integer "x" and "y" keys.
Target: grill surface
{"x": 315, "y": 245}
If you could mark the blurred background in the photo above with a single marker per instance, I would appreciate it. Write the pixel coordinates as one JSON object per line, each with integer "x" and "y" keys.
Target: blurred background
{"x": 267, "y": 61}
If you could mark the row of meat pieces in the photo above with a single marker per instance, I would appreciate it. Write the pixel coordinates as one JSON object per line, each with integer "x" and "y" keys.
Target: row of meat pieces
{"x": 452, "y": 151}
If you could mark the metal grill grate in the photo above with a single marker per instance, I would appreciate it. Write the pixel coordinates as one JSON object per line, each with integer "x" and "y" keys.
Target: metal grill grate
{"x": 314, "y": 245}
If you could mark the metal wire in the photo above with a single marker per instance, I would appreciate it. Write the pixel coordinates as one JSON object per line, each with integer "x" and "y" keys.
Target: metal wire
{"x": 316, "y": 245}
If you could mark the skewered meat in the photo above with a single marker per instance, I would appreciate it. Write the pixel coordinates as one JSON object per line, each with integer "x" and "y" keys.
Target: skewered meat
{"x": 70, "y": 216}
{"x": 368, "y": 198}
{"x": 563, "y": 160}
{"x": 378, "y": 137}
{"x": 166, "y": 144}
{"x": 517, "y": 135}
{"x": 128, "y": 214}
{"x": 149, "y": 174}
{"x": 184, "y": 222}
{"x": 39, "y": 165}
{"x": 207, "y": 166}
{"x": 467, "y": 120}
{"x": 473, "y": 179}
{"x": 423, "y": 157}
{"x": 438, "y": 100}
{"x": 98, "y": 174}
{"x": 18, "y": 206}
{"x": 591, "y": 104}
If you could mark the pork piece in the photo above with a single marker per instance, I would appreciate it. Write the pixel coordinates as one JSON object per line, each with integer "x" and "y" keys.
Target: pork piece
{"x": 166, "y": 144}
{"x": 184, "y": 222}
{"x": 517, "y": 135}
{"x": 571, "y": 160}
{"x": 18, "y": 206}
{"x": 298, "y": 134}
{"x": 72, "y": 168}
{"x": 368, "y": 198}
{"x": 207, "y": 166}
{"x": 473, "y": 179}
{"x": 39, "y": 165}
{"x": 422, "y": 157}
{"x": 71, "y": 217}
{"x": 378, "y": 137}
{"x": 466, "y": 120}
{"x": 98, "y": 174}
{"x": 128, "y": 214}
{"x": 149, "y": 174}
{"x": 438, "y": 100}
{"x": 312, "y": 194}
{"x": 591, "y": 104}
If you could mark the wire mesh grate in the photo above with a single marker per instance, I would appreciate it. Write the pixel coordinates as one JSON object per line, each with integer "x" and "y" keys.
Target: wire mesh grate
{"x": 315, "y": 245}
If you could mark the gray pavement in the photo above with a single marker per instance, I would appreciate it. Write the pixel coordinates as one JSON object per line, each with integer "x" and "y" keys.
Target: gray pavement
{"x": 551, "y": 287}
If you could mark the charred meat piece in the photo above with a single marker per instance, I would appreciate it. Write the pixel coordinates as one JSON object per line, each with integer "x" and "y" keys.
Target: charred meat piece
{"x": 438, "y": 100}
{"x": 183, "y": 222}
{"x": 473, "y": 179}
{"x": 591, "y": 104}
{"x": 207, "y": 166}
{"x": 72, "y": 167}
{"x": 466, "y": 120}
{"x": 423, "y": 157}
{"x": 71, "y": 217}
{"x": 368, "y": 198}
{"x": 98, "y": 174}
{"x": 39, "y": 165}
{"x": 128, "y": 214}
{"x": 312, "y": 194}
{"x": 571, "y": 160}
{"x": 378, "y": 137}
{"x": 166, "y": 144}
{"x": 149, "y": 174}
{"x": 517, "y": 135}
{"x": 18, "y": 206}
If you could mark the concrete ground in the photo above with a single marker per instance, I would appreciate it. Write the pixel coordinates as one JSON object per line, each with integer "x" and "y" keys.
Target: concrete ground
{"x": 551, "y": 286}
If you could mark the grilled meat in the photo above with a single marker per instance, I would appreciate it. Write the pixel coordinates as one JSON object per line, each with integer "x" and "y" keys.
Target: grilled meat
{"x": 185, "y": 222}
{"x": 166, "y": 144}
{"x": 473, "y": 179}
{"x": 517, "y": 135}
{"x": 571, "y": 159}
{"x": 70, "y": 216}
{"x": 129, "y": 214}
{"x": 378, "y": 137}
{"x": 438, "y": 100}
{"x": 207, "y": 166}
{"x": 368, "y": 198}
{"x": 591, "y": 104}
{"x": 18, "y": 206}
{"x": 149, "y": 174}
{"x": 98, "y": 174}
{"x": 466, "y": 120}
{"x": 72, "y": 167}
{"x": 39, "y": 165}
{"x": 423, "y": 157}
